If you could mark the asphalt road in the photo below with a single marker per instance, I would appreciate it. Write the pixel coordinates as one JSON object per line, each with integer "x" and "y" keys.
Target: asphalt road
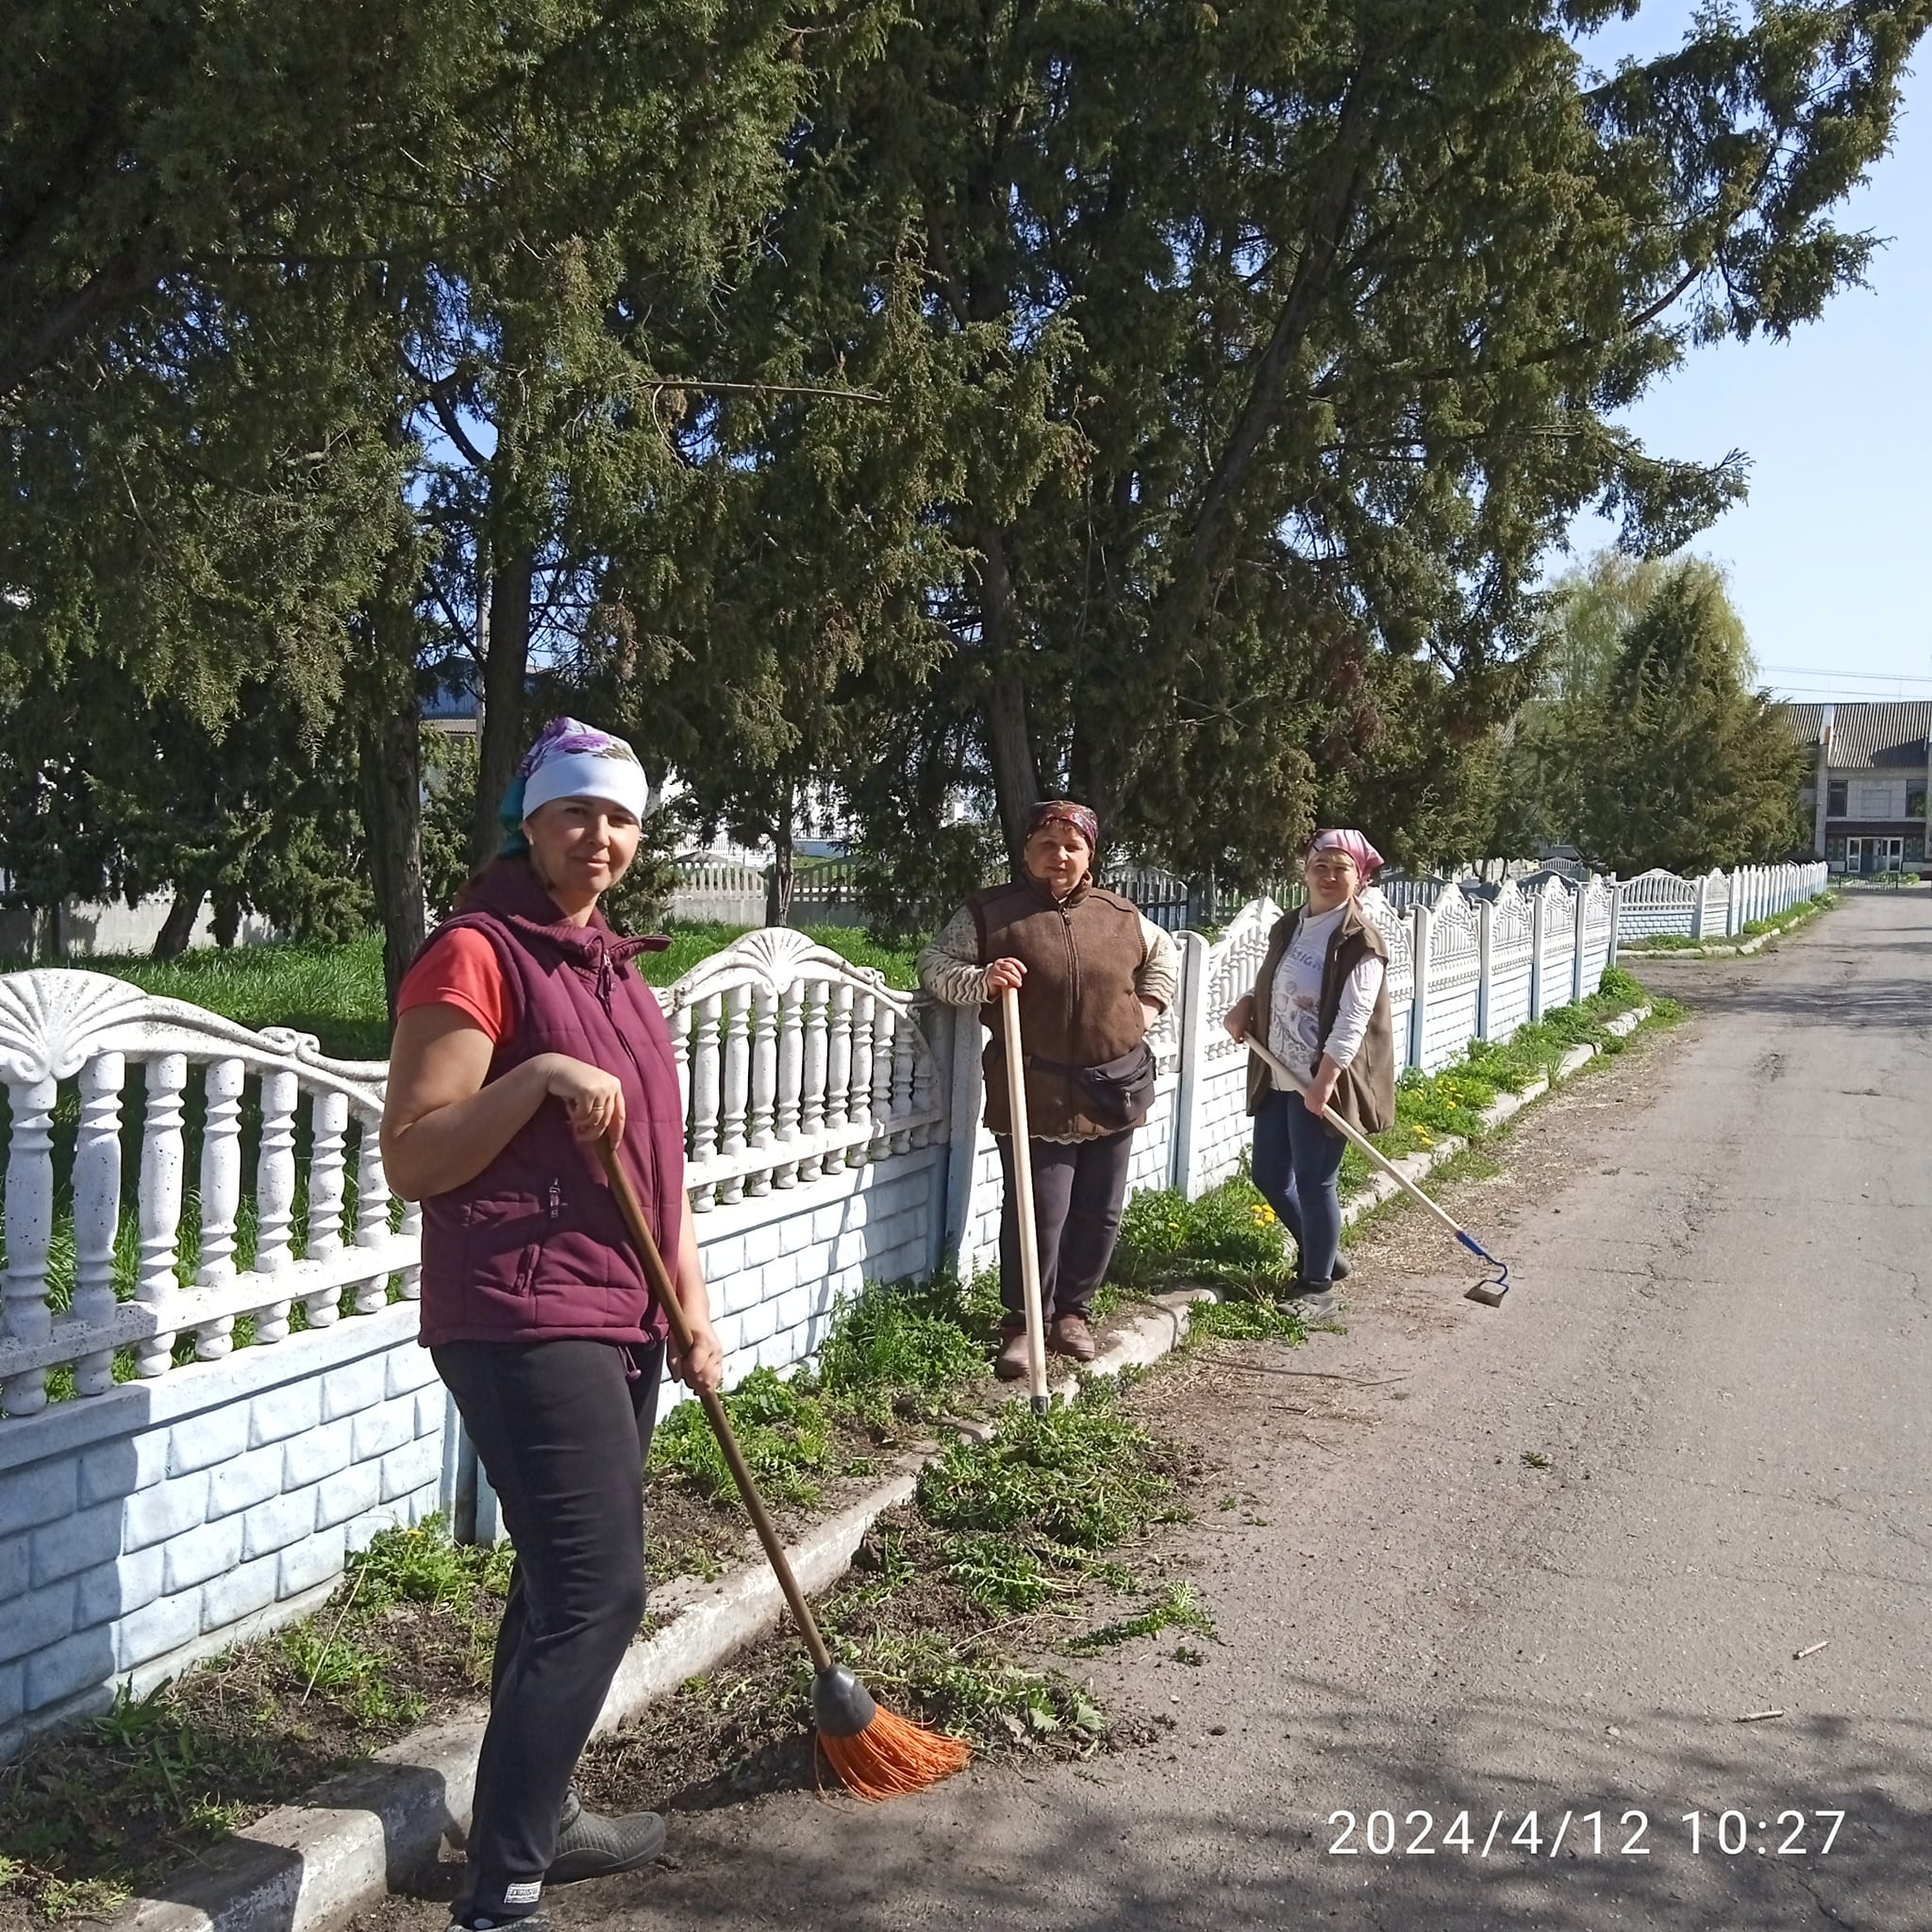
{"x": 1721, "y": 1346}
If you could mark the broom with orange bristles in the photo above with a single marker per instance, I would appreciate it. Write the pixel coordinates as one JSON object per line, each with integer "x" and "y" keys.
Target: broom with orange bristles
{"x": 874, "y": 1754}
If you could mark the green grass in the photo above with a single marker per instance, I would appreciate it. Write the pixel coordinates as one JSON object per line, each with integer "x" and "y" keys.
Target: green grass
{"x": 335, "y": 992}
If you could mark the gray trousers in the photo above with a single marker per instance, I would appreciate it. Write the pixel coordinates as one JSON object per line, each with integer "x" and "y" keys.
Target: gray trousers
{"x": 1078, "y": 1190}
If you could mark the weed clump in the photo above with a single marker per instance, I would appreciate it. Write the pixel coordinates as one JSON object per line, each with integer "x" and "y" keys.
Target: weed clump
{"x": 1227, "y": 1238}
{"x": 781, "y": 1426}
{"x": 901, "y": 1349}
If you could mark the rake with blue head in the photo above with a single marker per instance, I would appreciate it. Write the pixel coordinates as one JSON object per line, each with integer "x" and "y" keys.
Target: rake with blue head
{"x": 1492, "y": 1288}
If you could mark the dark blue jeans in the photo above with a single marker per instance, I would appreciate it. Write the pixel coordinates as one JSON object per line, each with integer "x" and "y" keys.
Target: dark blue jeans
{"x": 1298, "y": 1168}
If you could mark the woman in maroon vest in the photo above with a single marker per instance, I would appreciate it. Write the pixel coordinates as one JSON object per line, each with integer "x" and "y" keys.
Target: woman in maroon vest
{"x": 522, "y": 1033}
{"x": 1092, "y": 976}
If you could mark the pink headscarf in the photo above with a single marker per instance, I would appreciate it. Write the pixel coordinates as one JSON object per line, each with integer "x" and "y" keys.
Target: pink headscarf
{"x": 1367, "y": 859}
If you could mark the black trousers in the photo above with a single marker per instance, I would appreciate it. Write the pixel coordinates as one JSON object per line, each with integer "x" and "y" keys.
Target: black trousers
{"x": 1079, "y": 1188}
{"x": 561, "y": 1429}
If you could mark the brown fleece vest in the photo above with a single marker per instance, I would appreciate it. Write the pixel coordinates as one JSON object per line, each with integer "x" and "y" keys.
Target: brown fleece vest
{"x": 1077, "y": 1003}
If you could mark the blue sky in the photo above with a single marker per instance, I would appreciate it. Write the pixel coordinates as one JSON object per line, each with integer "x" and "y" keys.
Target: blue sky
{"x": 1831, "y": 556}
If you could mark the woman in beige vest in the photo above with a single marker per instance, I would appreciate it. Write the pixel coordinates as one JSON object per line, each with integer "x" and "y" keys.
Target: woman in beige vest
{"x": 1092, "y": 976}
{"x": 1321, "y": 1005}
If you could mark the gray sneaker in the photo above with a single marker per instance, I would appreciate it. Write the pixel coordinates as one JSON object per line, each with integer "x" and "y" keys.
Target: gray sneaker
{"x": 592, "y": 1846}
{"x": 1313, "y": 1304}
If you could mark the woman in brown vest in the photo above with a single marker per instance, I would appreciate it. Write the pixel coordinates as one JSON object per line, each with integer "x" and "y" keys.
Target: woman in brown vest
{"x": 1321, "y": 1004}
{"x": 1092, "y": 976}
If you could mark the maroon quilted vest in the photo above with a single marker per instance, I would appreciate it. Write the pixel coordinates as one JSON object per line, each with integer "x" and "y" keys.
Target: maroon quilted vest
{"x": 534, "y": 1248}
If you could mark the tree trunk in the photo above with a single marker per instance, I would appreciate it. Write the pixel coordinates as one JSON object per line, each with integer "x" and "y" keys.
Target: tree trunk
{"x": 390, "y": 744}
{"x": 778, "y": 875}
{"x": 504, "y": 667}
{"x": 1008, "y": 743}
{"x": 178, "y": 927}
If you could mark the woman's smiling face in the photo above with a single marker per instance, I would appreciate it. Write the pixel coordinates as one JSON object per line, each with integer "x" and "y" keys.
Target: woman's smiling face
{"x": 1332, "y": 877}
{"x": 580, "y": 847}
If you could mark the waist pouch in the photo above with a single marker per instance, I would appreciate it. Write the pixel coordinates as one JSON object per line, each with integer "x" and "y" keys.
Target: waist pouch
{"x": 1119, "y": 1093}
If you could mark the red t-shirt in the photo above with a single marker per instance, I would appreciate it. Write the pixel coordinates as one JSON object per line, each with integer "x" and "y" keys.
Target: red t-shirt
{"x": 460, "y": 969}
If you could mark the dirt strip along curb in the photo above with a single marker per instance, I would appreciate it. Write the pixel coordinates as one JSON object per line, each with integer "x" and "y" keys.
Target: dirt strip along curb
{"x": 307, "y": 1866}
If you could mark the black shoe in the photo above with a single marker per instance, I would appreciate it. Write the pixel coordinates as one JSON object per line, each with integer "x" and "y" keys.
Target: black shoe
{"x": 590, "y": 1845}
{"x": 1313, "y": 1301}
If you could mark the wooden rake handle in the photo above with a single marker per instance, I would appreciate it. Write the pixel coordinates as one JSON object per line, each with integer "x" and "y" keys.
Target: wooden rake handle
{"x": 1360, "y": 1141}
{"x": 666, "y": 1294}
{"x": 1022, "y": 1199}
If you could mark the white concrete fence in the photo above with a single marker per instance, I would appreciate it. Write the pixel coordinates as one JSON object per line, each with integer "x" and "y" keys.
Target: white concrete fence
{"x": 1718, "y": 905}
{"x": 211, "y": 1386}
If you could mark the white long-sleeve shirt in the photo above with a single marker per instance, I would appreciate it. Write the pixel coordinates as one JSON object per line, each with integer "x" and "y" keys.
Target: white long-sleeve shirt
{"x": 1294, "y": 1006}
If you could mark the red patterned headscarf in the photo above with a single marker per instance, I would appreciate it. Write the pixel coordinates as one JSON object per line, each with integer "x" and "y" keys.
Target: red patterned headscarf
{"x": 1367, "y": 861}
{"x": 1064, "y": 812}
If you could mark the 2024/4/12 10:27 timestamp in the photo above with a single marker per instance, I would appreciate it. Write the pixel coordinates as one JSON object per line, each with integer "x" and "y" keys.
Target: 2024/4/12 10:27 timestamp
{"x": 1594, "y": 1834}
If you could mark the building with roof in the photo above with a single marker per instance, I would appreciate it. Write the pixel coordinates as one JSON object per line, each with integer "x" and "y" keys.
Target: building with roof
{"x": 1871, "y": 777}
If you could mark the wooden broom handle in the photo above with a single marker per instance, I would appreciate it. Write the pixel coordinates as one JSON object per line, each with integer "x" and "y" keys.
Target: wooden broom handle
{"x": 666, "y": 1294}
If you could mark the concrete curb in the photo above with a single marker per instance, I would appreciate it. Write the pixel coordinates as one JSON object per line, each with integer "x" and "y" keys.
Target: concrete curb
{"x": 309, "y": 1865}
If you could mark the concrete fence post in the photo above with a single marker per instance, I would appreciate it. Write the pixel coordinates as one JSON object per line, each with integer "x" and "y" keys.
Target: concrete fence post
{"x": 1536, "y": 957}
{"x": 1616, "y": 885}
{"x": 1419, "y": 1005}
{"x": 1485, "y": 914}
{"x": 967, "y": 1100}
{"x": 1191, "y": 1022}
{"x": 1580, "y": 913}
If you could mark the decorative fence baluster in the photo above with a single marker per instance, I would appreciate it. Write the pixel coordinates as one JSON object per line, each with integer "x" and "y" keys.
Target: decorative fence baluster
{"x": 902, "y": 1086}
{"x": 703, "y": 1098}
{"x": 737, "y": 1084}
{"x": 328, "y": 1126}
{"x": 859, "y": 1106}
{"x": 371, "y": 1212}
{"x": 96, "y": 1209}
{"x": 837, "y": 1072}
{"x": 221, "y": 1198}
{"x": 678, "y": 1022}
{"x": 884, "y": 1028}
{"x": 275, "y": 1195}
{"x": 155, "y": 1285}
{"x": 29, "y": 1230}
{"x": 925, "y": 1075}
{"x": 812, "y": 1089}
{"x": 790, "y": 1072}
{"x": 764, "y": 1080}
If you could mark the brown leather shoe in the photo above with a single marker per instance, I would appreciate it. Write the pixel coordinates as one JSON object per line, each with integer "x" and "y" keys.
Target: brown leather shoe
{"x": 1010, "y": 1365}
{"x": 1072, "y": 1337}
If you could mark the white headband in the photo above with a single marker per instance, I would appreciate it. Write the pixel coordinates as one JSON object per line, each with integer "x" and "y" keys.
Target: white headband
{"x": 610, "y": 772}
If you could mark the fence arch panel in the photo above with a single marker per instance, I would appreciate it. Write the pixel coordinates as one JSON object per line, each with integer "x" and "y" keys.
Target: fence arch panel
{"x": 1455, "y": 956}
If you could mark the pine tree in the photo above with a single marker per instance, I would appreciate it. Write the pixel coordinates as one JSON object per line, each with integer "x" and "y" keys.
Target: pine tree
{"x": 1686, "y": 767}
